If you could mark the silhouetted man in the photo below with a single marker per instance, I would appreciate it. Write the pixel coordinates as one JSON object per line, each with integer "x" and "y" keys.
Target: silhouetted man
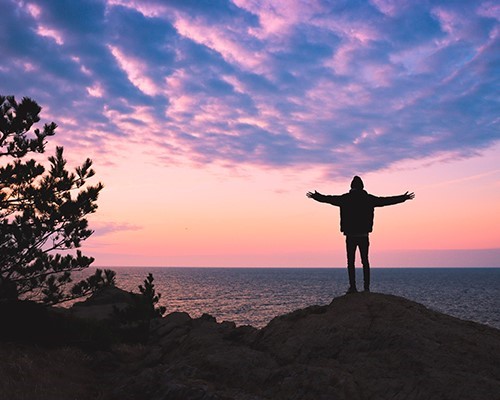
{"x": 356, "y": 222}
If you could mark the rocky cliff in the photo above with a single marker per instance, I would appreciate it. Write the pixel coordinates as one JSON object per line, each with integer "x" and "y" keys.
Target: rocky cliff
{"x": 361, "y": 346}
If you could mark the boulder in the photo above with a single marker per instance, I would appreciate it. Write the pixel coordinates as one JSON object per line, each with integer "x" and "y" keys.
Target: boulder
{"x": 361, "y": 346}
{"x": 101, "y": 304}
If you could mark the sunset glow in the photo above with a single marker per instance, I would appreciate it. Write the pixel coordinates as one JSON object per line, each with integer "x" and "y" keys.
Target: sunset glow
{"x": 208, "y": 121}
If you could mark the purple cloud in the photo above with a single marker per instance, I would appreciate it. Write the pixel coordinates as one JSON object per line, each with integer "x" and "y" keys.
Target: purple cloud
{"x": 353, "y": 85}
{"x": 105, "y": 228}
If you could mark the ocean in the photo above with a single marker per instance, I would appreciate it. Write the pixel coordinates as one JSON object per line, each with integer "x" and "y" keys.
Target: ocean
{"x": 253, "y": 296}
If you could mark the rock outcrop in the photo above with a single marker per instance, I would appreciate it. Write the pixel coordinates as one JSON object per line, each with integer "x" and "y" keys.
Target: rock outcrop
{"x": 101, "y": 304}
{"x": 361, "y": 346}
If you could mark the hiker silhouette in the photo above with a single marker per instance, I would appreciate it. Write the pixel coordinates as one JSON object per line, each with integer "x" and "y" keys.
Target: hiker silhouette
{"x": 356, "y": 222}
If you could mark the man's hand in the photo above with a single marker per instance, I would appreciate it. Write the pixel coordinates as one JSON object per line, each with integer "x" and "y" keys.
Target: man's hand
{"x": 409, "y": 196}
{"x": 312, "y": 195}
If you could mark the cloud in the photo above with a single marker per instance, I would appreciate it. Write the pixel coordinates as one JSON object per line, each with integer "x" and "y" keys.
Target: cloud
{"x": 134, "y": 68}
{"x": 356, "y": 86}
{"x": 105, "y": 228}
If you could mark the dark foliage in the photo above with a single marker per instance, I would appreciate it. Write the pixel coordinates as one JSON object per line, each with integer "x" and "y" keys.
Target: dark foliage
{"x": 136, "y": 318}
{"x": 25, "y": 321}
{"x": 42, "y": 212}
{"x": 15, "y": 122}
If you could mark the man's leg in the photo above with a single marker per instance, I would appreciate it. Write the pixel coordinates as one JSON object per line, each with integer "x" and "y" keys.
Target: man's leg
{"x": 364, "y": 244}
{"x": 351, "y": 244}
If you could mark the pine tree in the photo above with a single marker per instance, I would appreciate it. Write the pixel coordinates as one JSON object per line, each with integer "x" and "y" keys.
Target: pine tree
{"x": 42, "y": 212}
{"x": 151, "y": 298}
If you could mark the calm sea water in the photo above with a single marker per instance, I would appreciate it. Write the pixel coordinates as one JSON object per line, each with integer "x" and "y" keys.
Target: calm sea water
{"x": 255, "y": 295}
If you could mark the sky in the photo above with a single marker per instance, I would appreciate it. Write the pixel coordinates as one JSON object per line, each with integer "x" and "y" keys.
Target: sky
{"x": 208, "y": 121}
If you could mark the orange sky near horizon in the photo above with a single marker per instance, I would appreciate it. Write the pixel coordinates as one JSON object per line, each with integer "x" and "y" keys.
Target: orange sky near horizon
{"x": 217, "y": 216}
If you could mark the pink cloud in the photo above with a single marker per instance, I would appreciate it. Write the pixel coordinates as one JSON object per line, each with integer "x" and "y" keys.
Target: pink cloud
{"x": 346, "y": 61}
{"x": 180, "y": 101}
{"x": 459, "y": 25}
{"x": 134, "y": 68}
{"x": 341, "y": 60}
{"x": 147, "y": 9}
{"x": 103, "y": 228}
{"x": 29, "y": 67}
{"x": 34, "y": 10}
{"x": 277, "y": 18}
{"x": 222, "y": 40}
{"x": 330, "y": 98}
{"x": 128, "y": 122}
{"x": 490, "y": 9}
{"x": 391, "y": 8}
{"x": 414, "y": 58}
{"x": 50, "y": 33}
{"x": 95, "y": 90}
{"x": 369, "y": 134}
{"x": 450, "y": 22}
{"x": 360, "y": 31}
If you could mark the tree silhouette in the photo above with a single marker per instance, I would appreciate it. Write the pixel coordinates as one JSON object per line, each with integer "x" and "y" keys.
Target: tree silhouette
{"x": 42, "y": 212}
{"x": 151, "y": 298}
{"x": 135, "y": 319}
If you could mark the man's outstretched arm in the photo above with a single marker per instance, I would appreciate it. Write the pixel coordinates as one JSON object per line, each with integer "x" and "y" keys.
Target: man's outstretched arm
{"x": 323, "y": 198}
{"x": 390, "y": 200}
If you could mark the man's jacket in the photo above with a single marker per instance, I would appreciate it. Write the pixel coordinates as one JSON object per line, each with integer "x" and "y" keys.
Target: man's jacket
{"x": 357, "y": 209}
